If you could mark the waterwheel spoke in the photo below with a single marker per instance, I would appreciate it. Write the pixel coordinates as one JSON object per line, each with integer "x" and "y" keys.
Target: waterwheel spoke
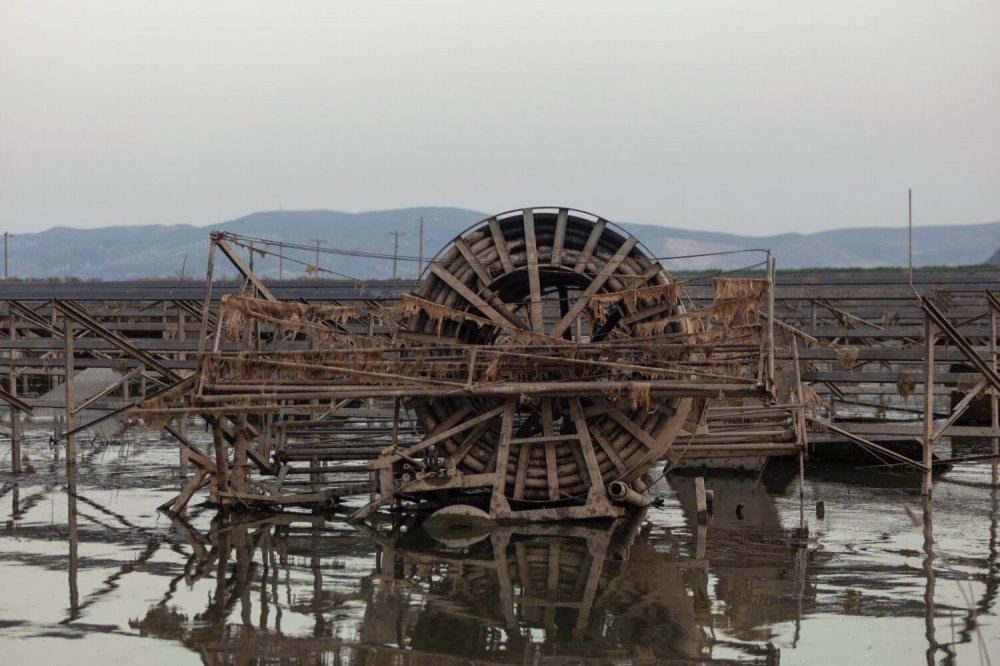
{"x": 472, "y": 297}
{"x": 489, "y": 296}
{"x": 501, "y": 244}
{"x": 534, "y": 281}
{"x": 588, "y": 249}
{"x": 551, "y": 465}
{"x": 595, "y": 286}
{"x": 586, "y": 444}
{"x": 521, "y": 474}
{"x": 559, "y": 240}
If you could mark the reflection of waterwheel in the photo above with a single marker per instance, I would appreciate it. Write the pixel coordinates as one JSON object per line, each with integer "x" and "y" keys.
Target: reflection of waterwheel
{"x": 535, "y": 270}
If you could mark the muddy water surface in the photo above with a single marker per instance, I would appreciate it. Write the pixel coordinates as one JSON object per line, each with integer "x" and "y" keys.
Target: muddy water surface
{"x": 90, "y": 572}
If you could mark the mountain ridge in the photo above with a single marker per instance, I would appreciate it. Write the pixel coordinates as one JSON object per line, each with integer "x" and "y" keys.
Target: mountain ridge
{"x": 151, "y": 251}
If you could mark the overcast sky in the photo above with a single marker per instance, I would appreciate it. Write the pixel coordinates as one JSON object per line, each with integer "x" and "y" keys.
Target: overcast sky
{"x": 755, "y": 117}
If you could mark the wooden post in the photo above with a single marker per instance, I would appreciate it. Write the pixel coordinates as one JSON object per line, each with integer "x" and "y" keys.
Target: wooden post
{"x": 770, "y": 321}
{"x": 181, "y": 420}
{"x": 15, "y": 413}
{"x": 395, "y": 424}
{"x": 995, "y": 399}
{"x": 925, "y": 488}
{"x": 221, "y": 460}
{"x": 240, "y": 467}
{"x": 800, "y": 421}
{"x": 206, "y": 309}
{"x": 74, "y": 542}
{"x": 701, "y": 501}
{"x": 68, "y": 384}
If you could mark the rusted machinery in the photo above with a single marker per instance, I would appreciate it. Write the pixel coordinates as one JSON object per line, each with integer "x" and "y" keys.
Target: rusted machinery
{"x": 549, "y": 361}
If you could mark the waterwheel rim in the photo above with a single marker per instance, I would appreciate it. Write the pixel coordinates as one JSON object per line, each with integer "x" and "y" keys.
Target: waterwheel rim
{"x": 531, "y": 272}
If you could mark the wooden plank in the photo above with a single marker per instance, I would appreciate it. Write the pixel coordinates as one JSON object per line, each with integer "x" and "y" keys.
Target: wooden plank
{"x": 583, "y": 300}
{"x": 197, "y": 481}
{"x": 501, "y": 244}
{"x": 450, "y": 431}
{"x": 586, "y": 444}
{"x": 484, "y": 277}
{"x": 551, "y": 465}
{"x": 474, "y": 299}
{"x": 590, "y": 245}
{"x": 523, "y": 462}
{"x": 473, "y": 261}
{"x": 534, "y": 281}
{"x": 503, "y": 456}
{"x": 609, "y": 450}
{"x": 560, "y": 237}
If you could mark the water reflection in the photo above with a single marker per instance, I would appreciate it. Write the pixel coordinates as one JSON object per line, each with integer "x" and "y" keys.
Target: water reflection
{"x": 302, "y": 589}
{"x": 773, "y": 582}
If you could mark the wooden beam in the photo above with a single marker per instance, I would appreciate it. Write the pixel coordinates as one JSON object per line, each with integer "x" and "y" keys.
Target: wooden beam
{"x": 559, "y": 239}
{"x": 590, "y": 245}
{"x": 583, "y": 299}
{"x": 534, "y": 280}
{"x": 501, "y": 244}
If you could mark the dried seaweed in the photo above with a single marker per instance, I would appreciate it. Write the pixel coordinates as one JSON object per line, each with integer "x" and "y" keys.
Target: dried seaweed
{"x": 906, "y": 385}
{"x": 847, "y": 357}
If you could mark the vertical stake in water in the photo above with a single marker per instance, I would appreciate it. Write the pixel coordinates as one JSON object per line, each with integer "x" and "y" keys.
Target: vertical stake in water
{"x": 68, "y": 384}
{"x": 800, "y": 425}
{"x": 770, "y": 322}
{"x": 995, "y": 399}
{"x": 925, "y": 488}
{"x": 15, "y": 413}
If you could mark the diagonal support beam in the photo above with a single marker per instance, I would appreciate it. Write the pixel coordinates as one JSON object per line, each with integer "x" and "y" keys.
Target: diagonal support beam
{"x": 583, "y": 299}
{"x": 82, "y": 317}
{"x": 865, "y": 443}
{"x": 220, "y": 241}
{"x": 15, "y": 401}
{"x": 961, "y": 343}
{"x": 472, "y": 297}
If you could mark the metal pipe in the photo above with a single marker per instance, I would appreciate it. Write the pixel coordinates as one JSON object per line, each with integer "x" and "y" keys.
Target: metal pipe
{"x": 620, "y": 492}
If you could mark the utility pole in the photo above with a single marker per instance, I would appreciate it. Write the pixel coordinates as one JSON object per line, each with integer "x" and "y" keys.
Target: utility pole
{"x": 317, "y": 241}
{"x": 6, "y": 235}
{"x": 395, "y": 250}
{"x": 420, "y": 265}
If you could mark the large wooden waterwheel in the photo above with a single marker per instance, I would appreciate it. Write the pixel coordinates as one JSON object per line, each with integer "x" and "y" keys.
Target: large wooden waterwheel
{"x": 528, "y": 277}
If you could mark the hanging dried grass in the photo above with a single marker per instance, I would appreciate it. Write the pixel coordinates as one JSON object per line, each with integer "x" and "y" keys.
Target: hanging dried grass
{"x": 640, "y": 395}
{"x": 439, "y": 313}
{"x": 847, "y": 357}
{"x": 492, "y": 370}
{"x": 810, "y": 396}
{"x": 906, "y": 385}
{"x": 598, "y": 314}
{"x": 739, "y": 288}
{"x": 662, "y": 293}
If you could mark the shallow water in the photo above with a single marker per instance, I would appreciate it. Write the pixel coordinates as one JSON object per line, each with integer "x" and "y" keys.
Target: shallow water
{"x": 92, "y": 573}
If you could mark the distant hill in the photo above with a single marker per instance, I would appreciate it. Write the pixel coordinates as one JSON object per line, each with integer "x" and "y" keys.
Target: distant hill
{"x": 135, "y": 252}
{"x": 995, "y": 259}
